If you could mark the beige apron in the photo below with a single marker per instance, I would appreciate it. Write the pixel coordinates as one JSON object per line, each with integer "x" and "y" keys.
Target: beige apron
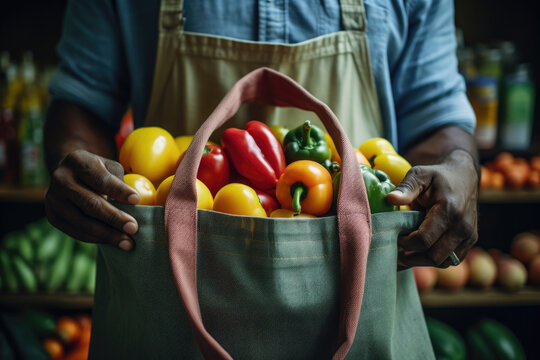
{"x": 194, "y": 72}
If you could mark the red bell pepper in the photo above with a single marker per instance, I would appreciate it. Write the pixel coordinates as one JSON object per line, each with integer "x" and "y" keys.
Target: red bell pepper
{"x": 255, "y": 153}
{"x": 214, "y": 168}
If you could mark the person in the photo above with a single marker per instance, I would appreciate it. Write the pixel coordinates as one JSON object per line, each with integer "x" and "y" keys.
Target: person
{"x": 386, "y": 68}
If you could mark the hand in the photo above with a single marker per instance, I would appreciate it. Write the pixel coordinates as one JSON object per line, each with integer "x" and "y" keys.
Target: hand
{"x": 448, "y": 191}
{"x": 76, "y": 201}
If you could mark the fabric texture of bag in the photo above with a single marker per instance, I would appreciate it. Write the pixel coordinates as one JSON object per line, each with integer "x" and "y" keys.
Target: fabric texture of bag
{"x": 206, "y": 284}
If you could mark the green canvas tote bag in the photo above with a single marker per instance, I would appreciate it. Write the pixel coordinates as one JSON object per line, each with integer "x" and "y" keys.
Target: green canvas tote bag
{"x": 202, "y": 284}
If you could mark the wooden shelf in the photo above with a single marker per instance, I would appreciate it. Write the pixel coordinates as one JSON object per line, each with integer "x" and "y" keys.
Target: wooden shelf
{"x": 57, "y": 300}
{"x": 528, "y": 296}
{"x": 509, "y": 196}
{"x": 20, "y": 194}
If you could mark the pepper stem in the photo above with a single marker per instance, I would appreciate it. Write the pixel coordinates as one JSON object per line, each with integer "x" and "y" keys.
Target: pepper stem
{"x": 206, "y": 150}
{"x": 297, "y": 195}
{"x": 306, "y": 134}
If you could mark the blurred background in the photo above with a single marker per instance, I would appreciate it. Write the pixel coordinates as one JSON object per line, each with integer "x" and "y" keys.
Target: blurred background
{"x": 497, "y": 51}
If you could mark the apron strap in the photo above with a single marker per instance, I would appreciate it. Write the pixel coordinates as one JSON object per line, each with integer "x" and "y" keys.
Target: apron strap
{"x": 353, "y": 15}
{"x": 268, "y": 86}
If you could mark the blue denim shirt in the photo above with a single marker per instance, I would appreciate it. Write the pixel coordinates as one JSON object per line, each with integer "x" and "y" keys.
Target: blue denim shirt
{"x": 108, "y": 48}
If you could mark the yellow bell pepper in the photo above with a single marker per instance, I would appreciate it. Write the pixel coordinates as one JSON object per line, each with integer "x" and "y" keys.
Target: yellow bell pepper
{"x": 395, "y": 166}
{"x": 204, "y": 196}
{"x": 279, "y": 131}
{"x": 376, "y": 146}
{"x": 284, "y": 213}
{"x": 238, "y": 199}
{"x": 151, "y": 152}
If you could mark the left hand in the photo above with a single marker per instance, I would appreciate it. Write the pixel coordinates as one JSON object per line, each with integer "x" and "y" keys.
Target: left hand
{"x": 448, "y": 191}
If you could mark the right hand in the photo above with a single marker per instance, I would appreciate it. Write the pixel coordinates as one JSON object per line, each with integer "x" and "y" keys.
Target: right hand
{"x": 76, "y": 201}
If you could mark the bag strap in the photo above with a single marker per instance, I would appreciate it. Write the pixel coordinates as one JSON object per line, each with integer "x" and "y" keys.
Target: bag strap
{"x": 270, "y": 87}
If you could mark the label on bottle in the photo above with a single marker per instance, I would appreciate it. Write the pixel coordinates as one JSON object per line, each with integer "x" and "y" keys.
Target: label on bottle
{"x": 32, "y": 166}
{"x": 517, "y": 126}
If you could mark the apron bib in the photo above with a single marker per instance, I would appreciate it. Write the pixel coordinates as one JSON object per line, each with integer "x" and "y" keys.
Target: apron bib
{"x": 194, "y": 72}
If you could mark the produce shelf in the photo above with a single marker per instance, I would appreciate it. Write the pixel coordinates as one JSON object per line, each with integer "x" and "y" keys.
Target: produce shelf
{"x": 509, "y": 196}
{"x": 528, "y": 296}
{"x": 20, "y": 194}
{"x": 57, "y": 300}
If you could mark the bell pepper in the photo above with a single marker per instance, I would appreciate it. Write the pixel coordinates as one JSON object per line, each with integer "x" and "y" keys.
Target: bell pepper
{"x": 284, "y": 213}
{"x": 376, "y": 146}
{"x": 332, "y": 166}
{"x": 238, "y": 199}
{"x": 255, "y": 153}
{"x": 268, "y": 200}
{"x": 394, "y": 165}
{"x": 305, "y": 186}
{"x": 306, "y": 142}
{"x": 279, "y": 131}
{"x": 214, "y": 168}
{"x": 378, "y": 185}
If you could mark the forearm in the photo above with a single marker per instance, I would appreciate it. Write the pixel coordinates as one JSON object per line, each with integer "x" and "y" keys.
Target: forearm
{"x": 69, "y": 127}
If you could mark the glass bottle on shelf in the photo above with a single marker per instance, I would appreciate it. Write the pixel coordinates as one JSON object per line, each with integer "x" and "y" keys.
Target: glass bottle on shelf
{"x": 516, "y": 127}
{"x": 9, "y": 142}
{"x": 33, "y": 170}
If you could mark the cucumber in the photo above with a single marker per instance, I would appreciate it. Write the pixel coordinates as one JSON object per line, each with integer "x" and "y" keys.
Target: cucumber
{"x": 11, "y": 282}
{"x": 60, "y": 266}
{"x": 91, "y": 280}
{"x": 79, "y": 272}
{"x": 19, "y": 243}
{"x": 490, "y": 339}
{"x": 27, "y": 278}
{"x": 48, "y": 246}
{"x": 447, "y": 342}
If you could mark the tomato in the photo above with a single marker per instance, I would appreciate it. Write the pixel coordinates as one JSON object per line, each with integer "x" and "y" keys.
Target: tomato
{"x": 204, "y": 196}
{"x": 238, "y": 199}
{"x": 143, "y": 187}
{"x": 151, "y": 152}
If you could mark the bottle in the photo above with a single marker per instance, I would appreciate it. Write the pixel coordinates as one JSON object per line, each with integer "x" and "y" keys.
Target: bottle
{"x": 482, "y": 94}
{"x": 9, "y": 142}
{"x": 518, "y": 101}
{"x": 33, "y": 170}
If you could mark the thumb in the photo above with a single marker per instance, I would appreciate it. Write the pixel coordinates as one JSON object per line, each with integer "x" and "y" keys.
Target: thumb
{"x": 414, "y": 184}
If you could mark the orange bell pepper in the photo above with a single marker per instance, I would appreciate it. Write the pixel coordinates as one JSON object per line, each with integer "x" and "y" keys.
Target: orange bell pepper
{"x": 305, "y": 186}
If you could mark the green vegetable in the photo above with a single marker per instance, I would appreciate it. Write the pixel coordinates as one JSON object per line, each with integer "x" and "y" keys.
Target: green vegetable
{"x": 80, "y": 272}
{"x": 22, "y": 339}
{"x": 378, "y": 185}
{"x": 8, "y": 273}
{"x": 48, "y": 246}
{"x": 61, "y": 266}
{"x": 489, "y": 339}
{"x": 42, "y": 323}
{"x": 19, "y": 242}
{"x": 306, "y": 142}
{"x": 25, "y": 275}
{"x": 447, "y": 342}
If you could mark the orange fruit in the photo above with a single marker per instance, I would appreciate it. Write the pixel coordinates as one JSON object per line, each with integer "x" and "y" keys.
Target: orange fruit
{"x": 54, "y": 348}
{"x": 68, "y": 330}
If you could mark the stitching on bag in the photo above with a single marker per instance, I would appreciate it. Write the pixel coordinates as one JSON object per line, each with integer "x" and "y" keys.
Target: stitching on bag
{"x": 240, "y": 238}
{"x": 326, "y": 256}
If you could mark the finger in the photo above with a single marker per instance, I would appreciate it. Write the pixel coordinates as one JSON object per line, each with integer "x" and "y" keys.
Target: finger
{"x": 86, "y": 229}
{"x": 93, "y": 205}
{"x": 416, "y": 182}
{"x": 429, "y": 231}
{"x": 91, "y": 170}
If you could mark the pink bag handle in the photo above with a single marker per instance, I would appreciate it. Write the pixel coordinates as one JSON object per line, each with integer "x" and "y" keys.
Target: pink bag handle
{"x": 270, "y": 87}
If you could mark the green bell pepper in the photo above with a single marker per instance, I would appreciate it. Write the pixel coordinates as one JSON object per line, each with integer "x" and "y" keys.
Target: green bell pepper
{"x": 306, "y": 142}
{"x": 378, "y": 185}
